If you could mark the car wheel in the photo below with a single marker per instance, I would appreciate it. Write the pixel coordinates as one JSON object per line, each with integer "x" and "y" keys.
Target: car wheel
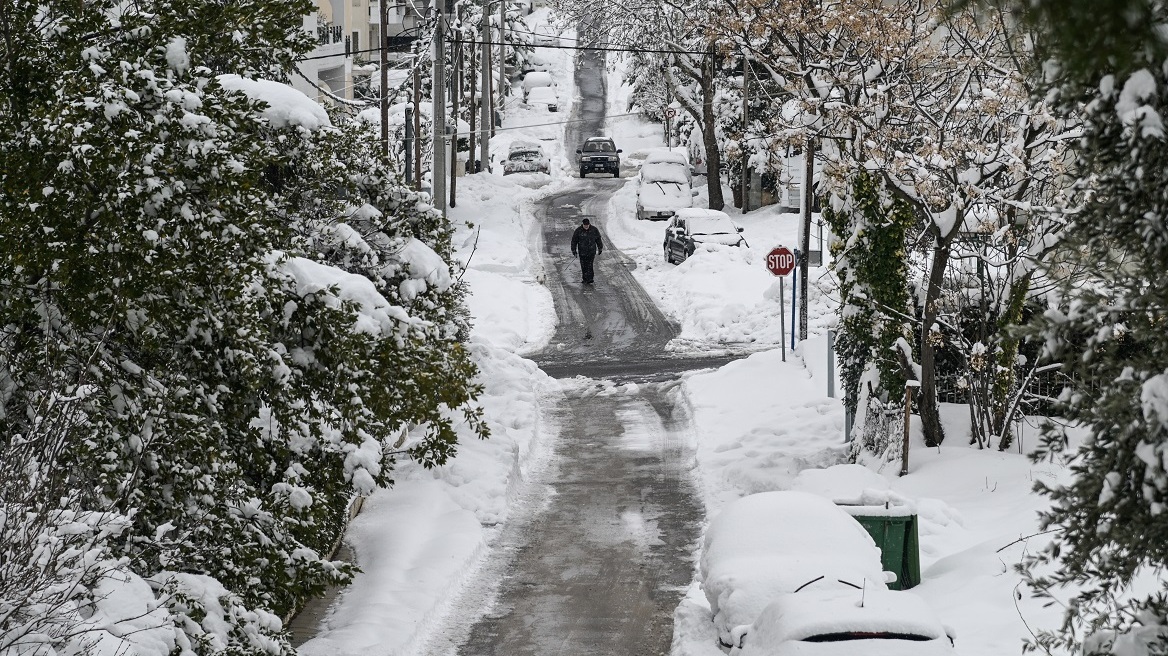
{"x": 616, "y": 174}
{"x": 582, "y": 173}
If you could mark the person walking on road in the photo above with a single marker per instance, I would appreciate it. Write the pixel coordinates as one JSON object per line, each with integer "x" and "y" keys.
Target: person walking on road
{"x": 586, "y": 244}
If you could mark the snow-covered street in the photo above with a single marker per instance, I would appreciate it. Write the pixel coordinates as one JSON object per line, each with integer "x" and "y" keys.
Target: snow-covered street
{"x": 583, "y": 328}
{"x": 557, "y": 549}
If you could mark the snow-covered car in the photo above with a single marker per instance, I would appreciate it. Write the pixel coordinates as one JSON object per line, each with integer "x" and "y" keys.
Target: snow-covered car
{"x": 599, "y": 155}
{"x": 535, "y": 80}
{"x": 663, "y": 186}
{"x": 847, "y": 622}
{"x": 692, "y": 226}
{"x": 767, "y": 545}
{"x": 525, "y": 157}
{"x": 544, "y": 97}
{"x": 545, "y": 36}
{"x": 534, "y": 61}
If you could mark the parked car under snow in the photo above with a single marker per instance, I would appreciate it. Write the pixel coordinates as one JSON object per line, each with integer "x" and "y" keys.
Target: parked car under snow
{"x": 690, "y": 227}
{"x": 544, "y": 97}
{"x": 766, "y": 545}
{"x": 525, "y": 157}
{"x": 663, "y": 186}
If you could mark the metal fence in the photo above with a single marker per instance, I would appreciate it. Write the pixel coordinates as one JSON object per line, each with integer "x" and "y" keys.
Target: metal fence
{"x": 327, "y": 34}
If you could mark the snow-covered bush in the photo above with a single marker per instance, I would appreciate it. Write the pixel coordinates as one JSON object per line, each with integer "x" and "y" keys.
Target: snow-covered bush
{"x": 226, "y": 311}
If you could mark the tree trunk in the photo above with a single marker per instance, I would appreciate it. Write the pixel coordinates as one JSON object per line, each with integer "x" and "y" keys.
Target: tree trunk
{"x": 1005, "y": 376}
{"x": 927, "y": 401}
{"x": 709, "y": 139}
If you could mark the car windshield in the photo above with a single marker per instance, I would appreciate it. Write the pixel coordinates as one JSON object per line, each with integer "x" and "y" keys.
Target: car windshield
{"x": 711, "y": 225}
{"x": 525, "y": 155}
{"x": 598, "y": 147}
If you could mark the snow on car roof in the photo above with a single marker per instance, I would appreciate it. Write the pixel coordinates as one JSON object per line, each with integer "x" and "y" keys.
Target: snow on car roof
{"x": 710, "y": 224}
{"x": 520, "y": 146}
{"x": 666, "y": 156}
{"x": 537, "y": 79}
{"x": 813, "y": 612}
{"x": 665, "y": 172}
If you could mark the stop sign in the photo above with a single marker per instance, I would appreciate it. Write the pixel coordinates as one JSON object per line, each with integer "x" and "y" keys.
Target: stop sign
{"x": 780, "y": 261}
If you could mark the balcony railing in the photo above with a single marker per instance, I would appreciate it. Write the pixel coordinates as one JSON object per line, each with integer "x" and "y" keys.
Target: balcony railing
{"x": 327, "y": 33}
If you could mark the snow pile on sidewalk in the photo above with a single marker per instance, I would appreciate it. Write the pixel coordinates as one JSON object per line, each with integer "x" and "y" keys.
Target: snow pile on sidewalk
{"x": 418, "y": 541}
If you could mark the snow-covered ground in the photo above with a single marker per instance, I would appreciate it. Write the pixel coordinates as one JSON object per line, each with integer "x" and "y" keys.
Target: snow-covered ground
{"x": 759, "y": 421}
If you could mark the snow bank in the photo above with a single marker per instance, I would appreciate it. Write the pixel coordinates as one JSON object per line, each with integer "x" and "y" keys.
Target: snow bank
{"x": 418, "y": 542}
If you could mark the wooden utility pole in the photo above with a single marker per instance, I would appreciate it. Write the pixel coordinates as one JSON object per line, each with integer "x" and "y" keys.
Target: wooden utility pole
{"x": 908, "y": 388}
{"x": 470, "y": 153}
{"x": 457, "y": 90}
{"x": 487, "y": 103}
{"x": 438, "y": 117}
{"x": 383, "y": 12}
{"x": 502, "y": 55}
{"x": 411, "y": 143}
{"x": 417, "y": 120}
{"x": 745, "y": 125}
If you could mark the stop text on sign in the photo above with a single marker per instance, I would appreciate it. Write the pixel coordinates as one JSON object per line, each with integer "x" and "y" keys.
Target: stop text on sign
{"x": 780, "y": 261}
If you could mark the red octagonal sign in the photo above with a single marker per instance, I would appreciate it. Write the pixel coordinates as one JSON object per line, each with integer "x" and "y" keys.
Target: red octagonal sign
{"x": 780, "y": 261}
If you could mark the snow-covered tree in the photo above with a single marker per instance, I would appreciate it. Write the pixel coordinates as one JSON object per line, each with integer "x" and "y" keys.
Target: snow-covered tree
{"x": 673, "y": 40}
{"x": 875, "y": 313}
{"x": 244, "y": 315}
{"x": 936, "y": 104}
{"x": 1106, "y": 326}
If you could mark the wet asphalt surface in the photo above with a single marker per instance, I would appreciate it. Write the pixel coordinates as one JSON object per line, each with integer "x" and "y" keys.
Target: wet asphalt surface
{"x": 599, "y": 550}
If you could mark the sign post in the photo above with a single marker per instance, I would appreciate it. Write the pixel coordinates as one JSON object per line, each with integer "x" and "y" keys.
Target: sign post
{"x": 669, "y": 114}
{"x": 780, "y": 262}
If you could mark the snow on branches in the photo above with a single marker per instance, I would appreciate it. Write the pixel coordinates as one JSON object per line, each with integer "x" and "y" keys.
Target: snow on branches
{"x": 219, "y": 312}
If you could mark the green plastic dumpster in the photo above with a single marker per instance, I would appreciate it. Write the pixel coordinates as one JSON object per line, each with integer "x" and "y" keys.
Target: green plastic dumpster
{"x": 895, "y": 531}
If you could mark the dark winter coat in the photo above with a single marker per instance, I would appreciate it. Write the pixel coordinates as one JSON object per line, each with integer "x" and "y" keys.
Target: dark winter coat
{"x": 586, "y": 243}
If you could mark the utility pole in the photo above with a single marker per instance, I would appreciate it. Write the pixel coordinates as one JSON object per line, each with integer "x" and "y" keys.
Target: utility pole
{"x": 668, "y": 106}
{"x": 417, "y": 120}
{"x": 411, "y": 144}
{"x": 805, "y": 230}
{"x": 745, "y": 125}
{"x": 470, "y": 153}
{"x": 487, "y": 103}
{"x": 438, "y": 124}
{"x": 502, "y": 55}
{"x": 457, "y": 91}
{"x": 383, "y": 11}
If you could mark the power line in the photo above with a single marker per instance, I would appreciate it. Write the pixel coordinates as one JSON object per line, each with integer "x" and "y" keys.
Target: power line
{"x": 643, "y": 51}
